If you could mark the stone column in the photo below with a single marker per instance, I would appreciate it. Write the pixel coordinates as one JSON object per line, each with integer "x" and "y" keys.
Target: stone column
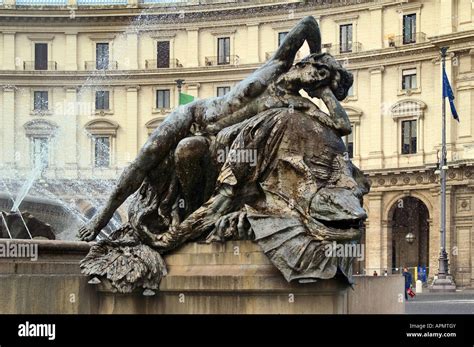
{"x": 192, "y": 57}
{"x": 71, "y": 51}
{"x": 253, "y": 44}
{"x": 132, "y": 51}
{"x": 70, "y": 132}
{"x": 9, "y": 55}
{"x": 8, "y": 127}
{"x": 376, "y": 25}
{"x": 373, "y": 237}
{"x": 132, "y": 123}
{"x": 386, "y": 245}
{"x": 446, "y": 15}
{"x": 421, "y": 136}
{"x": 375, "y": 159}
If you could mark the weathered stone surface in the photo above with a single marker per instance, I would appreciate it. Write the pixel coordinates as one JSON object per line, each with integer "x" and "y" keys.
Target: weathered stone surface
{"x": 231, "y": 285}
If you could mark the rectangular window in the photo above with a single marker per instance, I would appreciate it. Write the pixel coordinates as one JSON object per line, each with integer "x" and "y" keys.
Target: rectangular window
{"x": 102, "y": 56}
{"x": 409, "y": 137}
{"x": 223, "y": 50}
{"x": 345, "y": 38}
{"x": 102, "y": 151}
{"x": 409, "y": 28}
{"x": 409, "y": 79}
{"x": 221, "y": 91}
{"x": 40, "y": 152}
{"x": 349, "y": 141}
{"x": 41, "y": 56}
{"x": 281, "y": 37}
{"x": 102, "y": 100}
{"x": 40, "y": 101}
{"x": 163, "y": 98}
{"x": 163, "y": 54}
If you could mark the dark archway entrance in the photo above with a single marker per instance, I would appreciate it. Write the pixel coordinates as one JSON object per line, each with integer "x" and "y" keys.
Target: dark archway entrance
{"x": 410, "y": 234}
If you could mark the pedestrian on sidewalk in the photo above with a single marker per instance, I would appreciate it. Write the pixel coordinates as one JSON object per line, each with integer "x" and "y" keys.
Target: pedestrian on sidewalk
{"x": 408, "y": 279}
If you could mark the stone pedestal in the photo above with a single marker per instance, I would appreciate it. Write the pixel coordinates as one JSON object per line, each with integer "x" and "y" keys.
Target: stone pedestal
{"x": 442, "y": 285}
{"x": 235, "y": 277}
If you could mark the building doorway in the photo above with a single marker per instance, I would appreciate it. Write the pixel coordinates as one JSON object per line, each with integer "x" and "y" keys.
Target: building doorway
{"x": 410, "y": 234}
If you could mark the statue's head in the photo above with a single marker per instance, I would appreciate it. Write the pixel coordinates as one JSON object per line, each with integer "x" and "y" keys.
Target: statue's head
{"x": 340, "y": 80}
{"x": 315, "y": 71}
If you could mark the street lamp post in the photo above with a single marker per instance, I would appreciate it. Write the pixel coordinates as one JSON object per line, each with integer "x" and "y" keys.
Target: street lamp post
{"x": 443, "y": 283}
{"x": 179, "y": 84}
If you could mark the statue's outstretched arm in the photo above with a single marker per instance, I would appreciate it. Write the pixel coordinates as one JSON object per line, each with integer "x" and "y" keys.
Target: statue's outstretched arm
{"x": 306, "y": 30}
{"x": 174, "y": 128}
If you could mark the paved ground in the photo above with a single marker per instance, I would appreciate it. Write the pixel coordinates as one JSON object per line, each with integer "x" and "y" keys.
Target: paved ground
{"x": 460, "y": 302}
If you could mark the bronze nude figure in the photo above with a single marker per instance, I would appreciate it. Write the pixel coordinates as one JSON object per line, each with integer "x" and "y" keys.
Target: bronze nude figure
{"x": 261, "y": 162}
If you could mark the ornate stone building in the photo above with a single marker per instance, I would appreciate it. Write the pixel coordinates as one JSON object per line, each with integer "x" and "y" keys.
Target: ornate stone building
{"x": 84, "y": 82}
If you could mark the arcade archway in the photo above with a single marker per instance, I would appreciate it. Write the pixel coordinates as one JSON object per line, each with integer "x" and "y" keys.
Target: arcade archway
{"x": 410, "y": 233}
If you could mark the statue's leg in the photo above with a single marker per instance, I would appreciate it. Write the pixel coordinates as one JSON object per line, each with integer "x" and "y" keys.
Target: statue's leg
{"x": 193, "y": 167}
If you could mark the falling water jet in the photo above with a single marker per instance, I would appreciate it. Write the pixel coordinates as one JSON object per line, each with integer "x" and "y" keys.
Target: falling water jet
{"x": 6, "y": 225}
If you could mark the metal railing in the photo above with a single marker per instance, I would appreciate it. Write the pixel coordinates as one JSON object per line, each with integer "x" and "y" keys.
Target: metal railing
{"x": 92, "y": 65}
{"x": 33, "y": 66}
{"x": 152, "y": 64}
{"x": 402, "y": 40}
{"x": 40, "y": 2}
{"x": 352, "y": 47}
{"x": 225, "y": 60}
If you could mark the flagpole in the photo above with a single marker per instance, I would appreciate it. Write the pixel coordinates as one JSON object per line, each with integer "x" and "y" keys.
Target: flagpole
{"x": 443, "y": 283}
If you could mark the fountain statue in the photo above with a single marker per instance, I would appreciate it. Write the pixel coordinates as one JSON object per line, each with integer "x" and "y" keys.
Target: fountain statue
{"x": 16, "y": 224}
{"x": 261, "y": 163}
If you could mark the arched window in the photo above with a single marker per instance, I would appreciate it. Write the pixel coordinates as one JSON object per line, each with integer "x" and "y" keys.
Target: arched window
{"x": 151, "y": 125}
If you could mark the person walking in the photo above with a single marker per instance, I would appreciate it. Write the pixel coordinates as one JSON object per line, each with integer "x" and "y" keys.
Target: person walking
{"x": 408, "y": 279}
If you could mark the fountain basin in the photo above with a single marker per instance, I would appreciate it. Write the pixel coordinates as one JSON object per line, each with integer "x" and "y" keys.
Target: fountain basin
{"x": 63, "y": 223}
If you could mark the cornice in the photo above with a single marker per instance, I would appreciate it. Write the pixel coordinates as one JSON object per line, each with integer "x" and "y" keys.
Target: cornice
{"x": 121, "y": 15}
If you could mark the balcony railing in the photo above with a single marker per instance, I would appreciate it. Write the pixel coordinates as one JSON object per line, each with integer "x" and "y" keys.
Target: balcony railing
{"x": 402, "y": 40}
{"x": 41, "y": 2}
{"x": 101, "y": 2}
{"x": 153, "y": 64}
{"x": 225, "y": 60}
{"x": 32, "y": 65}
{"x": 92, "y": 65}
{"x": 352, "y": 47}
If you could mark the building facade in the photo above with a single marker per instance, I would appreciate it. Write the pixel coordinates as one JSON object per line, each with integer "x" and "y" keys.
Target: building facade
{"x": 85, "y": 82}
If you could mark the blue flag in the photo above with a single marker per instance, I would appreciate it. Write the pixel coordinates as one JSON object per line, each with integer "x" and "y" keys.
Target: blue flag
{"x": 448, "y": 92}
